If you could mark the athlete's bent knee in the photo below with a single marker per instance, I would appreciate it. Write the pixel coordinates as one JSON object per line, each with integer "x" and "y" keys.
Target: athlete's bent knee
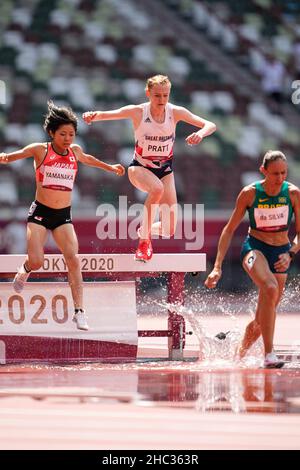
{"x": 157, "y": 192}
{"x": 270, "y": 289}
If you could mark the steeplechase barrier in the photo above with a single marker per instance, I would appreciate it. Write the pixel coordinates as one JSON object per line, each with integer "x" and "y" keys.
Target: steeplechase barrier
{"x": 36, "y": 325}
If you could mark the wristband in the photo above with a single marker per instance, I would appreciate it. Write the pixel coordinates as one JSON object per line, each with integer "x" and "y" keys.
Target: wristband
{"x": 292, "y": 254}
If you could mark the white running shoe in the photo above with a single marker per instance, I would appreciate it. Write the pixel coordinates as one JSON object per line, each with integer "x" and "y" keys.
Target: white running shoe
{"x": 20, "y": 279}
{"x": 272, "y": 361}
{"x": 80, "y": 319}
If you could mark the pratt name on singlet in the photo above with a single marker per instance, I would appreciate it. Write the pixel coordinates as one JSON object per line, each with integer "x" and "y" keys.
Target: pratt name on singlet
{"x": 158, "y": 148}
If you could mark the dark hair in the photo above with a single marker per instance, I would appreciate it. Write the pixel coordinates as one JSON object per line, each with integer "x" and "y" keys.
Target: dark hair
{"x": 58, "y": 116}
{"x": 272, "y": 156}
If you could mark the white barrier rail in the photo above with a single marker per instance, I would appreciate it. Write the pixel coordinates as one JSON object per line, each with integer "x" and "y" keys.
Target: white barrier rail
{"x": 170, "y": 262}
{"x": 50, "y": 334}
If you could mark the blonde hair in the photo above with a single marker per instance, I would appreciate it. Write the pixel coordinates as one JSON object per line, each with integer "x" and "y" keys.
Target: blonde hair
{"x": 157, "y": 80}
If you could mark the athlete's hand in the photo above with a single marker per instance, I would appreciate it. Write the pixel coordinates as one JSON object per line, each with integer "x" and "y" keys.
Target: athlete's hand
{"x": 3, "y": 158}
{"x": 213, "y": 278}
{"x": 89, "y": 116}
{"x": 284, "y": 261}
{"x": 118, "y": 169}
{"x": 194, "y": 138}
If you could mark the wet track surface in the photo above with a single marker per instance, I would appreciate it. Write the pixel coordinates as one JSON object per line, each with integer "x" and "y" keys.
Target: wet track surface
{"x": 161, "y": 383}
{"x": 153, "y": 403}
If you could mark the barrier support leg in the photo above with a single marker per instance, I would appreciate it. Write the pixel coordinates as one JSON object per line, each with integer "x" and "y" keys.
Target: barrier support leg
{"x": 176, "y": 322}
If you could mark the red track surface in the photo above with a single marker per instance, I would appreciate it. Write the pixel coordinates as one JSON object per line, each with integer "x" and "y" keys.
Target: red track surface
{"x": 154, "y": 405}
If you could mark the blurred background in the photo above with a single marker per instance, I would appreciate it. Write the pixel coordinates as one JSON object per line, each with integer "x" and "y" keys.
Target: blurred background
{"x": 232, "y": 62}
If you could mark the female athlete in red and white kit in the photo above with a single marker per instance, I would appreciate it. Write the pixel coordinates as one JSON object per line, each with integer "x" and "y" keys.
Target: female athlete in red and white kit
{"x": 56, "y": 165}
{"x": 151, "y": 171}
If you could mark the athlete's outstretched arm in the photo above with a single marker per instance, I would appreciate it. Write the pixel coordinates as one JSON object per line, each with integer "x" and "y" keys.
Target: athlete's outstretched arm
{"x": 89, "y": 160}
{"x": 26, "y": 152}
{"x": 242, "y": 202}
{"x": 126, "y": 112}
{"x": 206, "y": 127}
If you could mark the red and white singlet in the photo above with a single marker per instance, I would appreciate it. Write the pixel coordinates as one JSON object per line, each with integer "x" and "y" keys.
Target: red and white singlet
{"x": 154, "y": 141}
{"x": 57, "y": 171}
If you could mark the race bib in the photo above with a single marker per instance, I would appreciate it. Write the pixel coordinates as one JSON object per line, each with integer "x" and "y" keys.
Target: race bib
{"x": 275, "y": 217}
{"x": 59, "y": 177}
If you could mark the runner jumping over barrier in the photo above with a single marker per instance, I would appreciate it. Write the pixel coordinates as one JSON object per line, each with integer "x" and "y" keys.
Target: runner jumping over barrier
{"x": 151, "y": 169}
{"x": 56, "y": 165}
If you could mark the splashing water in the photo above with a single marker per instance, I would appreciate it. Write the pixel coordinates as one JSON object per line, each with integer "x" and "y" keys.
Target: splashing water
{"x": 230, "y": 309}
{"x": 220, "y": 350}
{"x": 290, "y": 300}
{"x": 201, "y": 305}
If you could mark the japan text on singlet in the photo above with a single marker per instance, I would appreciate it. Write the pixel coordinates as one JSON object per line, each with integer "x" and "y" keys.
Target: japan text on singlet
{"x": 271, "y": 213}
{"x": 154, "y": 141}
{"x": 57, "y": 171}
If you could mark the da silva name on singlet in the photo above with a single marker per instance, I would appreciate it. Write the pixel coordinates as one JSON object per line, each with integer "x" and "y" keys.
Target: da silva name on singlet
{"x": 265, "y": 215}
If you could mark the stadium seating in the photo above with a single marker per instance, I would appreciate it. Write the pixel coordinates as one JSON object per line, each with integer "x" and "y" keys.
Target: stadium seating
{"x": 97, "y": 54}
